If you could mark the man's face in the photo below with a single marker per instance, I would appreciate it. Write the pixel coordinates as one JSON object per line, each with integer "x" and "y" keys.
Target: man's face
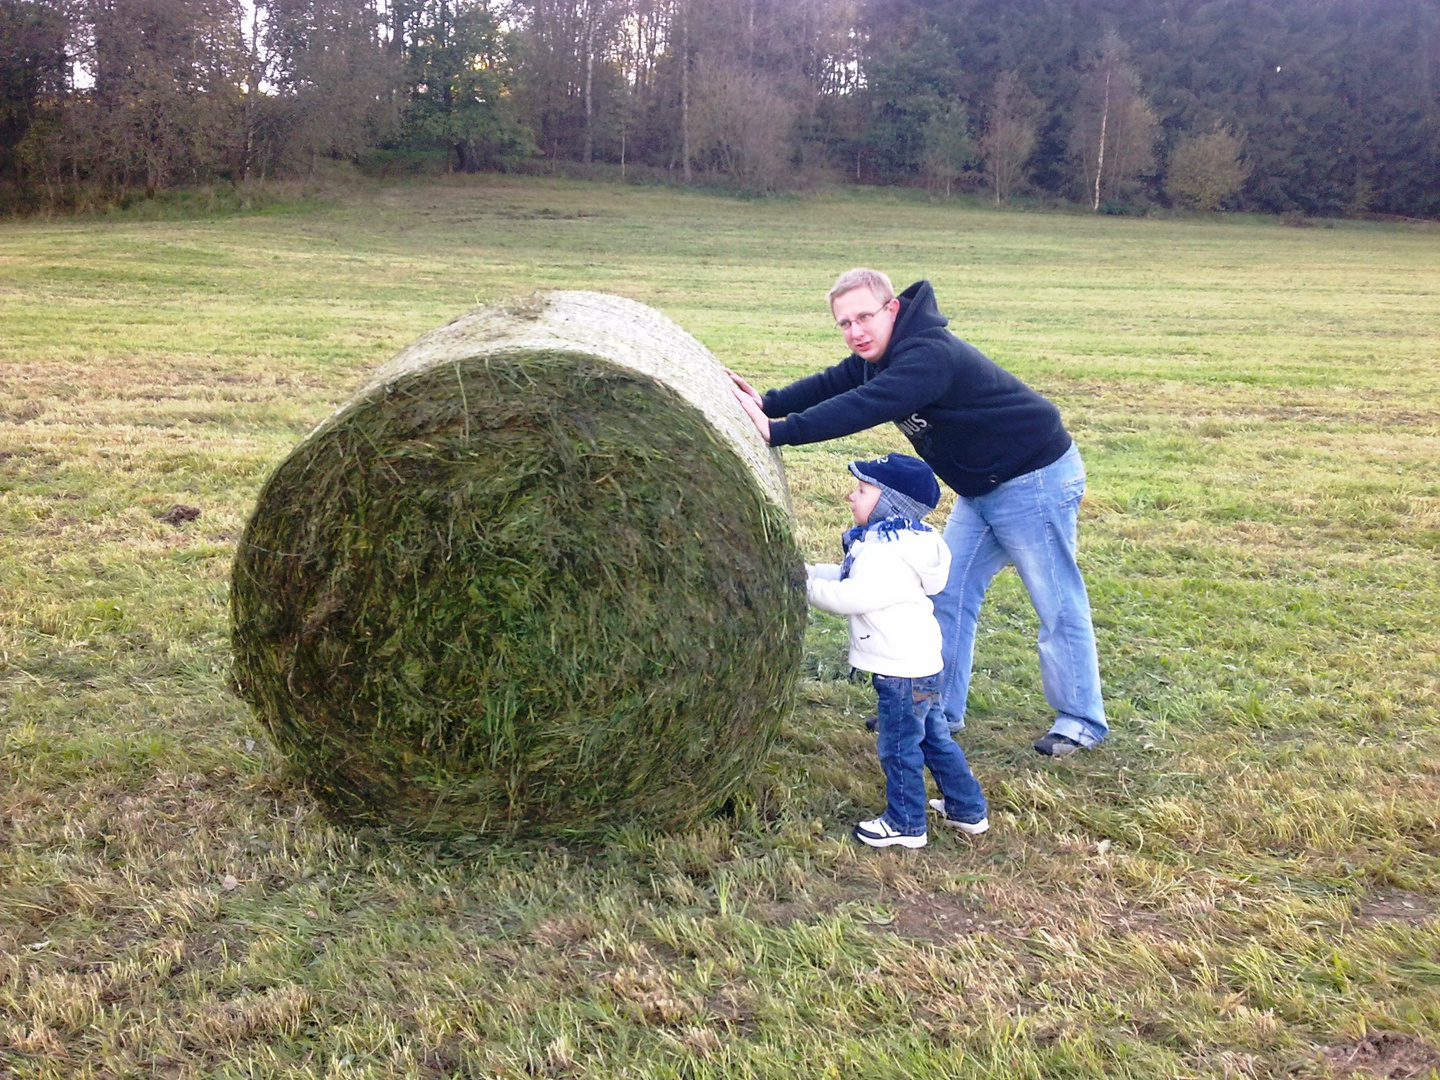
{"x": 866, "y": 323}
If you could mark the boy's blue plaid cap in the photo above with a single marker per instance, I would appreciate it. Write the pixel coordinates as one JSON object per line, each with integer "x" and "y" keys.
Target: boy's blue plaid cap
{"x": 905, "y": 476}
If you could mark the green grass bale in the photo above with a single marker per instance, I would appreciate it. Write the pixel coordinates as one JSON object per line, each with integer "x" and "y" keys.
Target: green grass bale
{"x": 537, "y": 577}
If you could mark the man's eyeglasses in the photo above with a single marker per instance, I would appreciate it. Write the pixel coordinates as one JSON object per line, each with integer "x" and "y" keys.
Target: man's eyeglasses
{"x": 862, "y": 320}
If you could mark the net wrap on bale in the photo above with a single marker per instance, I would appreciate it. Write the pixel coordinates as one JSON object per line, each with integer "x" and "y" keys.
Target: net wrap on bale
{"x": 537, "y": 576}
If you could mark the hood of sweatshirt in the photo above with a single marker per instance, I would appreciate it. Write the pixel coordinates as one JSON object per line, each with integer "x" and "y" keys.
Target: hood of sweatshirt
{"x": 927, "y": 553}
{"x": 918, "y": 313}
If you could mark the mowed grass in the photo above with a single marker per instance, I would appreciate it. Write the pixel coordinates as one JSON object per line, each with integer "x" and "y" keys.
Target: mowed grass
{"x": 1245, "y": 881}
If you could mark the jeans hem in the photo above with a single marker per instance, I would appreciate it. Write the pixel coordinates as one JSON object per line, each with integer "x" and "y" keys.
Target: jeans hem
{"x": 1077, "y": 730}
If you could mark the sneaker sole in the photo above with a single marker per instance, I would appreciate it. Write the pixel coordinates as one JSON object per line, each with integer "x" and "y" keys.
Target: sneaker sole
{"x": 891, "y": 841}
{"x": 974, "y": 828}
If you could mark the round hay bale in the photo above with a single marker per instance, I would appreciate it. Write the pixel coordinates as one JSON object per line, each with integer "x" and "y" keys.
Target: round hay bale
{"x": 537, "y": 577}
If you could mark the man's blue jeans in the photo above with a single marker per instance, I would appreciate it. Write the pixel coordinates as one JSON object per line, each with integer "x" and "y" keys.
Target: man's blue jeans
{"x": 1029, "y": 521}
{"x": 913, "y": 735}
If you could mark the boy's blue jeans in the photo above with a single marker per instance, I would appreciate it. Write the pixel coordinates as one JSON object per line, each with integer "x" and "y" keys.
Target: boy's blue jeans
{"x": 1029, "y": 521}
{"x": 913, "y": 735}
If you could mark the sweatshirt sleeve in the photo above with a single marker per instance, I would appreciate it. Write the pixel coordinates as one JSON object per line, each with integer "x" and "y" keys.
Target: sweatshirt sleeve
{"x": 907, "y": 385}
{"x": 813, "y": 389}
{"x": 823, "y": 571}
{"x": 868, "y": 588}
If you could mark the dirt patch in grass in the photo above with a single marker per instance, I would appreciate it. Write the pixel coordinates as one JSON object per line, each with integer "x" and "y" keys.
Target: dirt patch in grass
{"x": 943, "y": 918}
{"x": 1144, "y": 924}
{"x": 734, "y": 1007}
{"x": 922, "y": 916}
{"x": 782, "y": 914}
{"x": 1396, "y": 906}
{"x": 179, "y": 514}
{"x": 1389, "y": 1054}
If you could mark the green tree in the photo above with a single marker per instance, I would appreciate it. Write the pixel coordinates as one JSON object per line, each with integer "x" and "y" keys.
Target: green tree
{"x": 742, "y": 123}
{"x": 33, "y": 87}
{"x": 460, "y": 87}
{"x": 1114, "y": 132}
{"x": 33, "y": 76}
{"x": 165, "y": 106}
{"x": 911, "y": 72}
{"x": 1205, "y": 170}
{"x": 335, "y": 77}
{"x": 948, "y": 149}
{"x": 1009, "y": 137}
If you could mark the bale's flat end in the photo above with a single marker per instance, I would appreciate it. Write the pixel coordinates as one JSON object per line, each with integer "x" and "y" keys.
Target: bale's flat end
{"x": 526, "y": 581}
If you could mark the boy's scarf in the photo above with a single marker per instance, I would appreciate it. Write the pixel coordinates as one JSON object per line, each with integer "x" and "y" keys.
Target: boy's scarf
{"x": 885, "y": 529}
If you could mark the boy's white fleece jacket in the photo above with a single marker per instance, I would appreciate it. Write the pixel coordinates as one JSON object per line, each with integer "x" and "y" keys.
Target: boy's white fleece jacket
{"x": 887, "y": 596}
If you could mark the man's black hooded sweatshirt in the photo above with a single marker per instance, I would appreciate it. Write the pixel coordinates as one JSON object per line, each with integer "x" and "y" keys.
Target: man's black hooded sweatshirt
{"x": 972, "y": 421}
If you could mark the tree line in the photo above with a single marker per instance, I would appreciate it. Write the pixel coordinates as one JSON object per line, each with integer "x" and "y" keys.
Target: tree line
{"x": 1313, "y": 106}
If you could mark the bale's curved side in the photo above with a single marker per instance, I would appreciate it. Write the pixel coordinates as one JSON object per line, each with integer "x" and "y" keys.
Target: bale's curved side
{"x": 537, "y": 576}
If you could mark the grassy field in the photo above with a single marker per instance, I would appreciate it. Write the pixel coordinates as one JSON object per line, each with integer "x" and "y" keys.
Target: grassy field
{"x": 1244, "y": 882}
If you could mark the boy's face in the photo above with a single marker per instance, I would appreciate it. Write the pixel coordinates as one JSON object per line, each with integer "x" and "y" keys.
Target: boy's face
{"x": 863, "y": 500}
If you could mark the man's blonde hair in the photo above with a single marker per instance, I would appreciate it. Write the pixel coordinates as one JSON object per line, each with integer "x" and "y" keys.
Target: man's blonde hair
{"x": 861, "y": 278}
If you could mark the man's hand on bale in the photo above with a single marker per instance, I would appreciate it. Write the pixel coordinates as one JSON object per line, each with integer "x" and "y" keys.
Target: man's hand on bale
{"x": 739, "y": 380}
{"x": 749, "y": 400}
{"x": 756, "y": 414}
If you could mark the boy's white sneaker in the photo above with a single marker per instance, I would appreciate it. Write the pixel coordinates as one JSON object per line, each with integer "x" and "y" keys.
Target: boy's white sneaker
{"x": 974, "y": 828}
{"x": 878, "y": 833}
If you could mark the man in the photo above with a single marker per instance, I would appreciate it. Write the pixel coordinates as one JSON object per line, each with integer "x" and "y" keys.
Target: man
{"x": 998, "y": 444}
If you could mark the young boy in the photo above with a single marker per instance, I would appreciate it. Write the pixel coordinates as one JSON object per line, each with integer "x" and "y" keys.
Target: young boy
{"x": 893, "y": 563}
